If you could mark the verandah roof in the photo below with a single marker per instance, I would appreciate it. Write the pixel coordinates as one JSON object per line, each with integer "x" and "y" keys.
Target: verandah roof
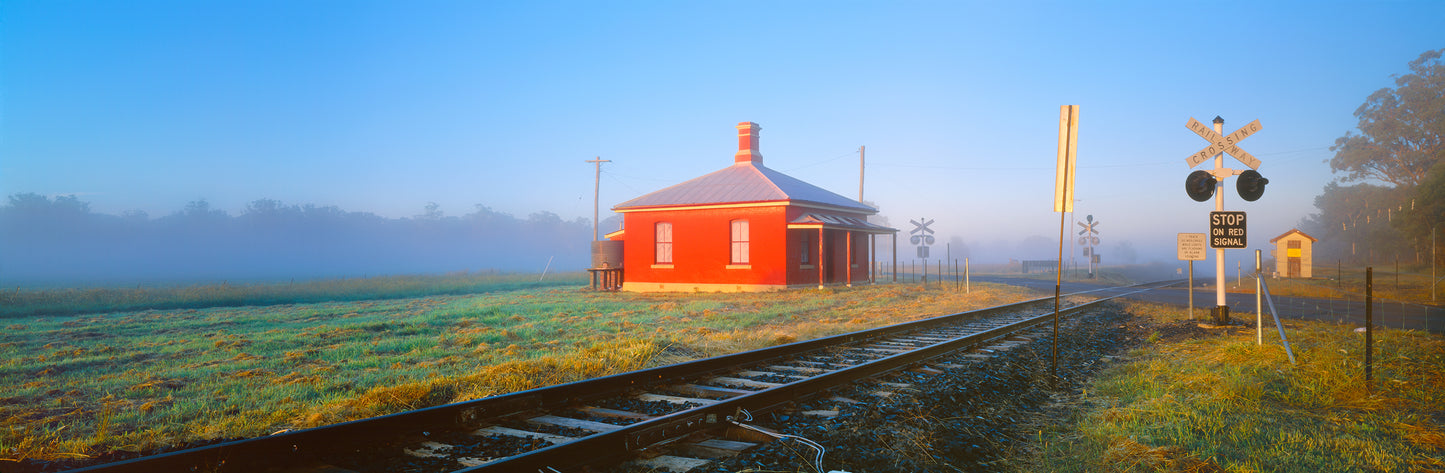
{"x": 834, "y": 222}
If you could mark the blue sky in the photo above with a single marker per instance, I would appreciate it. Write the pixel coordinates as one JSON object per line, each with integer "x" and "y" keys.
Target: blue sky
{"x": 385, "y": 106}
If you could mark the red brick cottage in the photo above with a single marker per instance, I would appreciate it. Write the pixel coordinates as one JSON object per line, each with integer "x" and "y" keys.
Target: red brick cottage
{"x": 744, "y": 228}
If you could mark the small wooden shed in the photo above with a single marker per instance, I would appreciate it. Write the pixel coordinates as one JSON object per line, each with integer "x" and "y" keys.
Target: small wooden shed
{"x": 1293, "y": 254}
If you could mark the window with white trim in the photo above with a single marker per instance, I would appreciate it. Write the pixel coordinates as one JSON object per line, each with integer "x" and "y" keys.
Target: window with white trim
{"x": 739, "y": 242}
{"x": 662, "y": 254}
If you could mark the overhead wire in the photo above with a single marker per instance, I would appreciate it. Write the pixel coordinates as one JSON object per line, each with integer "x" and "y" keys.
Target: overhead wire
{"x": 1080, "y": 166}
{"x": 826, "y": 161}
{"x": 614, "y": 178}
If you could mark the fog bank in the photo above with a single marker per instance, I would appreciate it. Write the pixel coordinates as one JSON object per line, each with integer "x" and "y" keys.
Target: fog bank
{"x": 60, "y": 241}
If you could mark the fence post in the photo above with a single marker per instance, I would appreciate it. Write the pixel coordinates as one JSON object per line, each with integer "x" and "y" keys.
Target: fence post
{"x": 1369, "y": 322}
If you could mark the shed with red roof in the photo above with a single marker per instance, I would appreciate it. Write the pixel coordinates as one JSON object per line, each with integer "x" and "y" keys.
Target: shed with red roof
{"x": 744, "y": 228}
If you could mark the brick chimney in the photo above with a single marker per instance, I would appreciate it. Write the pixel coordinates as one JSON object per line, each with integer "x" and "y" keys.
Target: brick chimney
{"x": 748, "y": 144}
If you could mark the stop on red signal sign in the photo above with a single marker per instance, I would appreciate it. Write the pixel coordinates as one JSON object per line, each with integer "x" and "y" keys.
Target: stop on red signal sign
{"x": 1227, "y": 230}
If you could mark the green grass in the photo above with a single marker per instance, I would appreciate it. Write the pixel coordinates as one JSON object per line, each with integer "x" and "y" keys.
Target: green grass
{"x": 1223, "y": 403}
{"x": 81, "y": 385}
{"x": 72, "y": 301}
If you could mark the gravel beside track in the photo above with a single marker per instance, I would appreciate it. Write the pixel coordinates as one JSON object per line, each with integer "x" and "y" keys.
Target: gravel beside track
{"x": 965, "y": 419}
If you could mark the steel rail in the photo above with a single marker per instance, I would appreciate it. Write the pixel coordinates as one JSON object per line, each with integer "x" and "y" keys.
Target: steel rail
{"x": 618, "y": 444}
{"x": 299, "y": 446}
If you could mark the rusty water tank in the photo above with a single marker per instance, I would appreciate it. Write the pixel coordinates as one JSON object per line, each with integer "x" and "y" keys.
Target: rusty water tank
{"x": 607, "y": 251}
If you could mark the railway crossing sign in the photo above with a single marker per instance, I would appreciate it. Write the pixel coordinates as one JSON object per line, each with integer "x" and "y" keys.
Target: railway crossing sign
{"x": 1223, "y": 143}
{"x": 1090, "y": 234}
{"x": 921, "y": 235}
{"x": 1089, "y": 239}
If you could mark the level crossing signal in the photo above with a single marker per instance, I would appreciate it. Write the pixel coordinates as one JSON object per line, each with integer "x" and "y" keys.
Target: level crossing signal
{"x": 921, "y": 235}
{"x": 1251, "y": 185}
{"x": 1090, "y": 232}
{"x": 1200, "y": 185}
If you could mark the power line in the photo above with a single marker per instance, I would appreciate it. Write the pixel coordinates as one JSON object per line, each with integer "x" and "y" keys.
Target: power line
{"x": 613, "y": 177}
{"x": 1095, "y": 166}
{"x": 826, "y": 161}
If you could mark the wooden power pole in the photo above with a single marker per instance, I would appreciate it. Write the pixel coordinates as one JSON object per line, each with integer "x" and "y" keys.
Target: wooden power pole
{"x": 596, "y": 192}
{"x": 860, "y": 174}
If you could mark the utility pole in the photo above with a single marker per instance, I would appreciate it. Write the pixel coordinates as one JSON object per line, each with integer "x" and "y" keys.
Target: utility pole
{"x": 872, "y": 238}
{"x": 596, "y": 192}
{"x": 860, "y": 174}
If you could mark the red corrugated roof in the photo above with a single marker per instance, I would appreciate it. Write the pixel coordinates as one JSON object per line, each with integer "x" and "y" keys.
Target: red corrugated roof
{"x": 743, "y": 183}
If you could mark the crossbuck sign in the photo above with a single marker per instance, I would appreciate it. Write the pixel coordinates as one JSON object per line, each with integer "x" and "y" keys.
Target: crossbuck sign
{"x": 1223, "y": 143}
{"x": 921, "y": 235}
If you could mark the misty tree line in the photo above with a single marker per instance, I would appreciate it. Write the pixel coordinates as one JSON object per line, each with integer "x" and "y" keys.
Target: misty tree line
{"x": 60, "y": 240}
{"x": 1398, "y": 160}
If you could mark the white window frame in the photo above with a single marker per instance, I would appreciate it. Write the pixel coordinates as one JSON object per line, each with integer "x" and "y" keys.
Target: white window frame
{"x": 739, "y": 243}
{"x": 662, "y": 248}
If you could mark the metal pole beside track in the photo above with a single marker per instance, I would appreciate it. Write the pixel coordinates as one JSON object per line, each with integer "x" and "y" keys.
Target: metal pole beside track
{"x": 1369, "y": 322}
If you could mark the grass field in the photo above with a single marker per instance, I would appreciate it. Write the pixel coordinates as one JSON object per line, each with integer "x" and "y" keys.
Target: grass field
{"x": 1223, "y": 403}
{"x": 134, "y": 380}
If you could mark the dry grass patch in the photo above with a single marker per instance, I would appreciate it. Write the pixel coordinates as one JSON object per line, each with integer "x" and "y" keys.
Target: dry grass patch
{"x": 1223, "y": 403}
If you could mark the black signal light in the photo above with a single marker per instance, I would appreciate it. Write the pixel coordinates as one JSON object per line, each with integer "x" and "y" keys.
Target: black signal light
{"x": 1200, "y": 186}
{"x": 1251, "y": 185}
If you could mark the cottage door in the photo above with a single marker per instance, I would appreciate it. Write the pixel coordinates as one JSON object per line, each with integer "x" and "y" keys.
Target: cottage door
{"x": 1293, "y": 270}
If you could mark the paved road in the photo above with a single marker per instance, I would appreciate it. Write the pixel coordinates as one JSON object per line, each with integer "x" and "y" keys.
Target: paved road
{"x": 1345, "y": 311}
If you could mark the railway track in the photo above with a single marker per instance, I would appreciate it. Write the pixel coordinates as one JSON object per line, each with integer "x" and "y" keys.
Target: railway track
{"x": 606, "y": 420}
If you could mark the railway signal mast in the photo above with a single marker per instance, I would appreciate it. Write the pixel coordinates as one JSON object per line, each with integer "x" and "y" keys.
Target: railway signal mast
{"x": 1089, "y": 240}
{"x": 1226, "y": 229}
{"x": 922, "y": 236}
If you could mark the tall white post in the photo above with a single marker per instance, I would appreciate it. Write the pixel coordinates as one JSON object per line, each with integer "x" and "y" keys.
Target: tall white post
{"x": 1219, "y": 207}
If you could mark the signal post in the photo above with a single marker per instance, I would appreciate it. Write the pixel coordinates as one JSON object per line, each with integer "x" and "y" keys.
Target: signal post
{"x": 1227, "y": 229}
